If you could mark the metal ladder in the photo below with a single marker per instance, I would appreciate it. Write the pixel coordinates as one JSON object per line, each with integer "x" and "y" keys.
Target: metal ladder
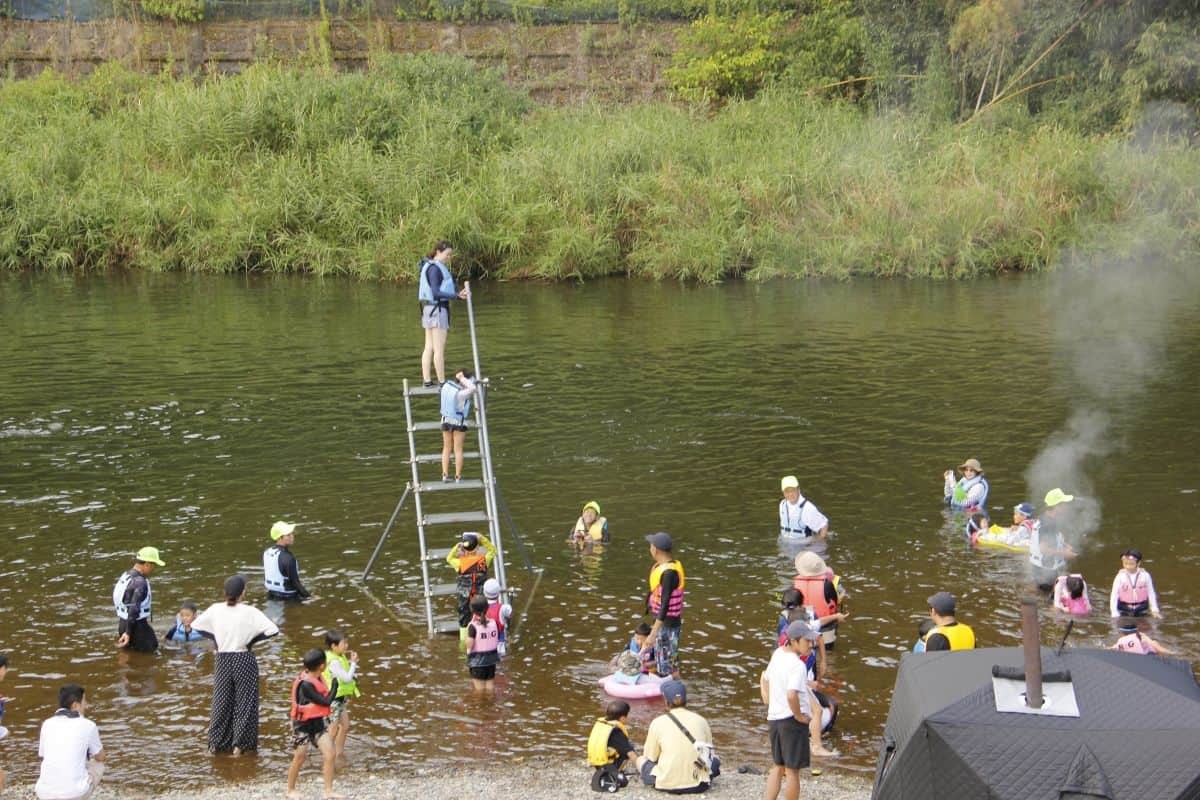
{"x": 417, "y": 488}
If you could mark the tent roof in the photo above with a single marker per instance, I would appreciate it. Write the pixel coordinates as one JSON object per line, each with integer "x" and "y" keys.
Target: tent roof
{"x": 1136, "y": 736}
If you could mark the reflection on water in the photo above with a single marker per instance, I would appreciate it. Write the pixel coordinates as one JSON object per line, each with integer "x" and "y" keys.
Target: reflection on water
{"x": 189, "y": 413}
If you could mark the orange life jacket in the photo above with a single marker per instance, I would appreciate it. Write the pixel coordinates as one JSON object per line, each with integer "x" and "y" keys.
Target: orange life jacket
{"x": 307, "y": 711}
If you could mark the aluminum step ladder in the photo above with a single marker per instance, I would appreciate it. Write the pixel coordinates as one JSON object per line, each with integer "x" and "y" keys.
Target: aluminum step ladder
{"x": 417, "y": 488}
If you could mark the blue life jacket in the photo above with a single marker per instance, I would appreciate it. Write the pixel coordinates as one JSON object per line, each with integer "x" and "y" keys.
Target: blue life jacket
{"x": 425, "y": 291}
{"x": 177, "y": 634}
{"x": 965, "y": 486}
{"x": 450, "y": 410}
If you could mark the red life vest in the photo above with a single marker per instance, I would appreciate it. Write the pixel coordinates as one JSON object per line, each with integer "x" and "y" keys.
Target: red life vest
{"x": 675, "y": 601}
{"x": 813, "y": 590}
{"x": 493, "y": 613}
{"x": 1133, "y": 592}
{"x": 307, "y": 711}
{"x": 487, "y": 636}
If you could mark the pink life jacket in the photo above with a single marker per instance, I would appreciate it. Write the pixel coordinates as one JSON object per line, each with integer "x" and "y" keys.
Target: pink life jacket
{"x": 1074, "y": 605}
{"x": 1131, "y": 592}
{"x": 487, "y": 636}
{"x": 1132, "y": 643}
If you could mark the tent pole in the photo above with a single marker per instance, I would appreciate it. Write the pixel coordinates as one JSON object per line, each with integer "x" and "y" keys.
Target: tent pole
{"x": 1033, "y": 652}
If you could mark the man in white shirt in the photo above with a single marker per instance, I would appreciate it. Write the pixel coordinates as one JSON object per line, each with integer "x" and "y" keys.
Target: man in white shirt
{"x": 70, "y": 749}
{"x": 799, "y": 518}
{"x": 784, "y": 689}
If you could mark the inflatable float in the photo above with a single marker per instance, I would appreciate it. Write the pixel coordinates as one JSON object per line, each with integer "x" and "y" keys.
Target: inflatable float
{"x": 647, "y": 687}
{"x": 1000, "y": 537}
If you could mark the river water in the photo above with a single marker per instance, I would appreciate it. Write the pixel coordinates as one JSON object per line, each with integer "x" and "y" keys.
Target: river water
{"x": 190, "y": 412}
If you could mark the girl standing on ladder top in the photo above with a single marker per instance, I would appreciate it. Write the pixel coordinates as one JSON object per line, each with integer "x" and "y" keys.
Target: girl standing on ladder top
{"x": 435, "y": 290}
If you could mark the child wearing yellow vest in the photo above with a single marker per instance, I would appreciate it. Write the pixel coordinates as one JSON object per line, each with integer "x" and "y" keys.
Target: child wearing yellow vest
{"x": 342, "y": 663}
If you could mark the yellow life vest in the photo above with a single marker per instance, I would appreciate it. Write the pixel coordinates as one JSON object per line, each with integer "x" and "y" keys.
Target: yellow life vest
{"x": 659, "y": 569}
{"x": 595, "y": 531}
{"x": 960, "y": 636}
{"x": 599, "y": 753}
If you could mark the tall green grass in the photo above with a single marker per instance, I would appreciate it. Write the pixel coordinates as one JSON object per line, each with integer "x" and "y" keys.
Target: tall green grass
{"x": 290, "y": 169}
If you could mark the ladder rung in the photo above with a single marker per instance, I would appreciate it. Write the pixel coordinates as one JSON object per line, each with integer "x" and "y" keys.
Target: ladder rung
{"x": 455, "y": 516}
{"x": 433, "y": 458}
{"x": 435, "y": 426}
{"x": 437, "y": 553}
{"x": 446, "y": 486}
{"x": 445, "y": 626}
{"x": 419, "y": 389}
{"x": 443, "y": 589}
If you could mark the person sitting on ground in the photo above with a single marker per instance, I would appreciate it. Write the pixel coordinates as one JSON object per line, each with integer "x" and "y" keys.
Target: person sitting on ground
{"x": 1133, "y": 592}
{"x": 1133, "y": 641}
{"x": 609, "y": 747}
{"x": 70, "y": 748}
{"x": 798, "y": 517}
{"x": 182, "y": 631}
{"x": 820, "y": 591}
{"x": 925, "y": 628}
{"x": 312, "y": 702}
{"x": 678, "y": 757}
{"x": 590, "y": 528}
{"x": 950, "y": 634}
{"x": 1070, "y": 595}
{"x": 499, "y": 612}
{"x": 970, "y": 492}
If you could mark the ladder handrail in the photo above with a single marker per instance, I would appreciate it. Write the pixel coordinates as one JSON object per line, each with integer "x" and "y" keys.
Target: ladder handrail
{"x": 485, "y": 450}
{"x": 416, "y": 481}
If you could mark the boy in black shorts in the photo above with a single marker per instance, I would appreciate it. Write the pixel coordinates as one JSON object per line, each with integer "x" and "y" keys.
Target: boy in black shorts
{"x": 311, "y": 701}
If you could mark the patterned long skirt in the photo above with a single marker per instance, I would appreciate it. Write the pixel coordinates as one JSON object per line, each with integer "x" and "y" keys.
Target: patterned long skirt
{"x": 234, "y": 720}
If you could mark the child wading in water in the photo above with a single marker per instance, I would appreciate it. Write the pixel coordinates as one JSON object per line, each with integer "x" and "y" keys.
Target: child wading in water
{"x": 483, "y": 642}
{"x": 1070, "y": 595}
{"x": 311, "y": 701}
{"x": 1133, "y": 590}
{"x": 182, "y": 631}
{"x": 342, "y": 664}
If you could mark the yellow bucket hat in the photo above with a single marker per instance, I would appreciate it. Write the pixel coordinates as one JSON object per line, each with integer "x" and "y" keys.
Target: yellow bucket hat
{"x": 150, "y": 554}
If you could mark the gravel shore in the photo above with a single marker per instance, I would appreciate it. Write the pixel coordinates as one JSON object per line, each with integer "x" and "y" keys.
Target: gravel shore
{"x": 531, "y": 780}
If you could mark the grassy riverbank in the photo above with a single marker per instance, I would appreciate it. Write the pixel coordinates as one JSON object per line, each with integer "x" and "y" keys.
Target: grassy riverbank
{"x": 292, "y": 169}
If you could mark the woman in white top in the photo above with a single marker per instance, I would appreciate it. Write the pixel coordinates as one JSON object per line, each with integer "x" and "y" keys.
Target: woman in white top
{"x": 233, "y": 725}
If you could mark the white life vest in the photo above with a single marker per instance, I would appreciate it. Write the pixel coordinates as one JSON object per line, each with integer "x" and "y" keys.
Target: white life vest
{"x": 119, "y": 596}
{"x": 272, "y": 574}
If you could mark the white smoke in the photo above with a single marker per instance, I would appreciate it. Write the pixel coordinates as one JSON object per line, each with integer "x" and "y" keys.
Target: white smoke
{"x": 1113, "y": 309}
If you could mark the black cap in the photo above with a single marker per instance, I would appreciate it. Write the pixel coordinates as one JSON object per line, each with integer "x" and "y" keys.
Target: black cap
{"x": 661, "y": 540}
{"x": 942, "y": 603}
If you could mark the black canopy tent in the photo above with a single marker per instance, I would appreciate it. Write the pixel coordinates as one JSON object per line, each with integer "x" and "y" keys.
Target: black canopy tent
{"x": 1137, "y": 733}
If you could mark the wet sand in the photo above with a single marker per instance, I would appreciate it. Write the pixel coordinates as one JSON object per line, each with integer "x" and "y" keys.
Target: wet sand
{"x": 531, "y": 780}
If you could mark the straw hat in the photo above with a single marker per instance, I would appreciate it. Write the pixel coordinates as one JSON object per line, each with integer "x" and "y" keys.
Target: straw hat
{"x": 810, "y": 565}
{"x": 971, "y": 463}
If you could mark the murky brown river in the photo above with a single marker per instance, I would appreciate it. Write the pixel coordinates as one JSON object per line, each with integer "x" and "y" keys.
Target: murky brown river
{"x": 190, "y": 412}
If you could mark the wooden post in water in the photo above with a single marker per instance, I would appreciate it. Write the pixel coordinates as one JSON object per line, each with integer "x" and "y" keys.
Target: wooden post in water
{"x": 1031, "y": 637}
